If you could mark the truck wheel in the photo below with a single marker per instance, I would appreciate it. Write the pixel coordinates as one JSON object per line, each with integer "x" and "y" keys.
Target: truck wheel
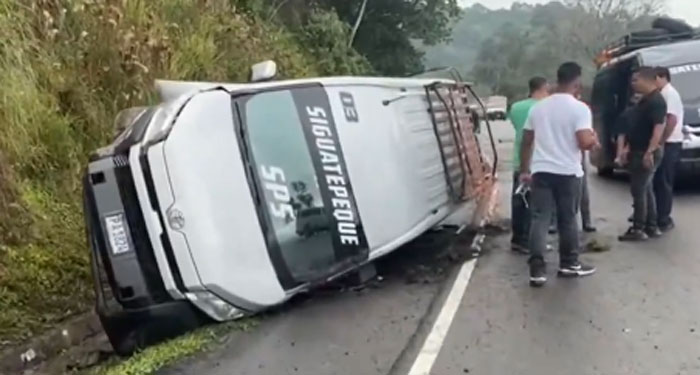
{"x": 672, "y": 25}
{"x": 308, "y": 232}
{"x": 606, "y": 171}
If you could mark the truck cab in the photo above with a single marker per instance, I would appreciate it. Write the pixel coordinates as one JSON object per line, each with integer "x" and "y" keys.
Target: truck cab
{"x": 612, "y": 91}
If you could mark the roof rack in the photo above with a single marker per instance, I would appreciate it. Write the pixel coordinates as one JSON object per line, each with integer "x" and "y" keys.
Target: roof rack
{"x": 632, "y": 42}
{"x": 452, "y": 72}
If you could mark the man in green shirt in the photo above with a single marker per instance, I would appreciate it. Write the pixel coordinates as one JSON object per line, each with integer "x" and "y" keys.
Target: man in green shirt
{"x": 520, "y": 214}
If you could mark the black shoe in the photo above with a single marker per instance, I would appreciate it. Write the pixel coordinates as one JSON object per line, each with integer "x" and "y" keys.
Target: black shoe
{"x": 538, "y": 275}
{"x": 520, "y": 249}
{"x": 589, "y": 228}
{"x": 653, "y": 232}
{"x": 576, "y": 270}
{"x": 631, "y": 219}
{"x": 553, "y": 230}
{"x": 667, "y": 227}
{"x": 633, "y": 235}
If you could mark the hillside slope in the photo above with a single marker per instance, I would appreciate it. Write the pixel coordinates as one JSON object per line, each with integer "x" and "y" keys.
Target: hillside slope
{"x": 66, "y": 68}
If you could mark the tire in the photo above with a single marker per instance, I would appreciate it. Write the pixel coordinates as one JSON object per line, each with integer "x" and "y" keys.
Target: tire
{"x": 672, "y": 25}
{"x": 606, "y": 171}
{"x": 307, "y": 231}
{"x": 131, "y": 330}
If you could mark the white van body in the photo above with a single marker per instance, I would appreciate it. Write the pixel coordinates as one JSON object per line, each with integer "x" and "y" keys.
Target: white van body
{"x": 196, "y": 204}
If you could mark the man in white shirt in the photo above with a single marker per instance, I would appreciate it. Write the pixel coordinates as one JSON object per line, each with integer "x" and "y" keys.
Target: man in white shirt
{"x": 557, "y": 130}
{"x": 673, "y": 145}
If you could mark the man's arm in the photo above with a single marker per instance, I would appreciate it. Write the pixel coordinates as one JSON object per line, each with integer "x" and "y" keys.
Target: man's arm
{"x": 586, "y": 139}
{"x": 526, "y": 148}
{"x": 621, "y": 153}
{"x": 656, "y": 138}
{"x": 585, "y": 135}
{"x": 671, "y": 123}
{"x": 658, "y": 114}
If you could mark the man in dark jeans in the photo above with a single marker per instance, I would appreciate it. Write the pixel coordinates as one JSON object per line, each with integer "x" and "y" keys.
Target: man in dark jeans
{"x": 556, "y": 132}
{"x": 639, "y": 147}
{"x": 520, "y": 212}
{"x": 665, "y": 176}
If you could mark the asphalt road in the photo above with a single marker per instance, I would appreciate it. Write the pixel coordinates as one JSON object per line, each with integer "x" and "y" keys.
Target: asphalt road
{"x": 640, "y": 314}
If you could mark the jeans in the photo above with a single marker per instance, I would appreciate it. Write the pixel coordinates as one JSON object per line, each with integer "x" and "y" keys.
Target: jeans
{"x": 664, "y": 179}
{"x": 642, "y": 189}
{"x": 520, "y": 215}
{"x": 584, "y": 206}
{"x": 554, "y": 193}
{"x": 585, "y": 201}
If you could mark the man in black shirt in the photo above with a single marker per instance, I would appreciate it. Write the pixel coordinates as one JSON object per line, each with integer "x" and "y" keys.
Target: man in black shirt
{"x": 639, "y": 147}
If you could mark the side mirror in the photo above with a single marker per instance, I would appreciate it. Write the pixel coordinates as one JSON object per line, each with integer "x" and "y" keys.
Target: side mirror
{"x": 263, "y": 71}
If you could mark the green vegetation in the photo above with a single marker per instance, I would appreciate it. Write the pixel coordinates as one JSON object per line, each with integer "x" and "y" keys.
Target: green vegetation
{"x": 152, "y": 359}
{"x": 66, "y": 68}
{"x": 390, "y": 29}
{"x": 501, "y": 49}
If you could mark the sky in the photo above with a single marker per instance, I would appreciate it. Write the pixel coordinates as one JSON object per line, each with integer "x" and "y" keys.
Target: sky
{"x": 688, "y": 10}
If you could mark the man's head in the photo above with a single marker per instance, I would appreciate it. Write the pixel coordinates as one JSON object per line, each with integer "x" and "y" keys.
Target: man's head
{"x": 569, "y": 78}
{"x": 644, "y": 80}
{"x": 663, "y": 76}
{"x": 539, "y": 88}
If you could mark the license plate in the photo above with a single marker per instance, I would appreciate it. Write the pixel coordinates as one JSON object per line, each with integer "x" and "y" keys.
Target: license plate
{"x": 117, "y": 233}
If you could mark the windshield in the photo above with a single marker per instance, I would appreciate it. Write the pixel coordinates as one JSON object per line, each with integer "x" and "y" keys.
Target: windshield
{"x": 309, "y": 238}
{"x": 686, "y": 79}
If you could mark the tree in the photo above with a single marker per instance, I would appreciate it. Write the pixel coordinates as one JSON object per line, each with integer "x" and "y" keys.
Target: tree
{"x": 390, "y": 27}
{"x": 599, "y": 21}
{"x": 619, "y": 10}
{"x": 575, "y": 30}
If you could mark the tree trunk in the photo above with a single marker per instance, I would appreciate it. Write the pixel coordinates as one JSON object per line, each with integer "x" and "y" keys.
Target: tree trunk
{"x": 360, "y": 15}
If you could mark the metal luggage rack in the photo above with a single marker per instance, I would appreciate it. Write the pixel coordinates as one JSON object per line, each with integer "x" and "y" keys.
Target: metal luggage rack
{"x": 468, "y": 172}
{"x": 630, "y": 43}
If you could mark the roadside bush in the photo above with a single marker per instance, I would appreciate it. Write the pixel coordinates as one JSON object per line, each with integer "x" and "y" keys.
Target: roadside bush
{"x": 66, "y": 68}
{"x": 326, "y": 37}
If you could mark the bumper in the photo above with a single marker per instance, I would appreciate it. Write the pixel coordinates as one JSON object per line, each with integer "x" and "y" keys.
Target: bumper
{"x": 133, "y": 305}
{"x": 689, "y": 163}
{"x": 129, "y": 330}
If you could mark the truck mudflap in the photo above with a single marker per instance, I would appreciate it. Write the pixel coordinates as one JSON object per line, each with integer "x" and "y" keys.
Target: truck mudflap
{"x": 469, "y": 172}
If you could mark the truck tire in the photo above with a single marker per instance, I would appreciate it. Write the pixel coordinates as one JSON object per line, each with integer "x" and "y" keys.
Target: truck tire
{"x": 606, "y": 171}
{"x": 672, "y": 25}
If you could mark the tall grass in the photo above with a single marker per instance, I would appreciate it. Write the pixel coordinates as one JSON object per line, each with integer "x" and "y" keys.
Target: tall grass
{"x": 66, "y": 68}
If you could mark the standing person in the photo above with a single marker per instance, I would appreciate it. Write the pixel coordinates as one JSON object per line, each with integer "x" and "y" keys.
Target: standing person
{"x": 643, "y": 138}
{"x": 556, "y": 132}
{"x": 665, "y": 175}
{"x": 520, "y": 213}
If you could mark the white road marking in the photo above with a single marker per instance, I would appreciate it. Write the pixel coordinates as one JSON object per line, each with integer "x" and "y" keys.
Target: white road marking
{"x": 431, "y": 347}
